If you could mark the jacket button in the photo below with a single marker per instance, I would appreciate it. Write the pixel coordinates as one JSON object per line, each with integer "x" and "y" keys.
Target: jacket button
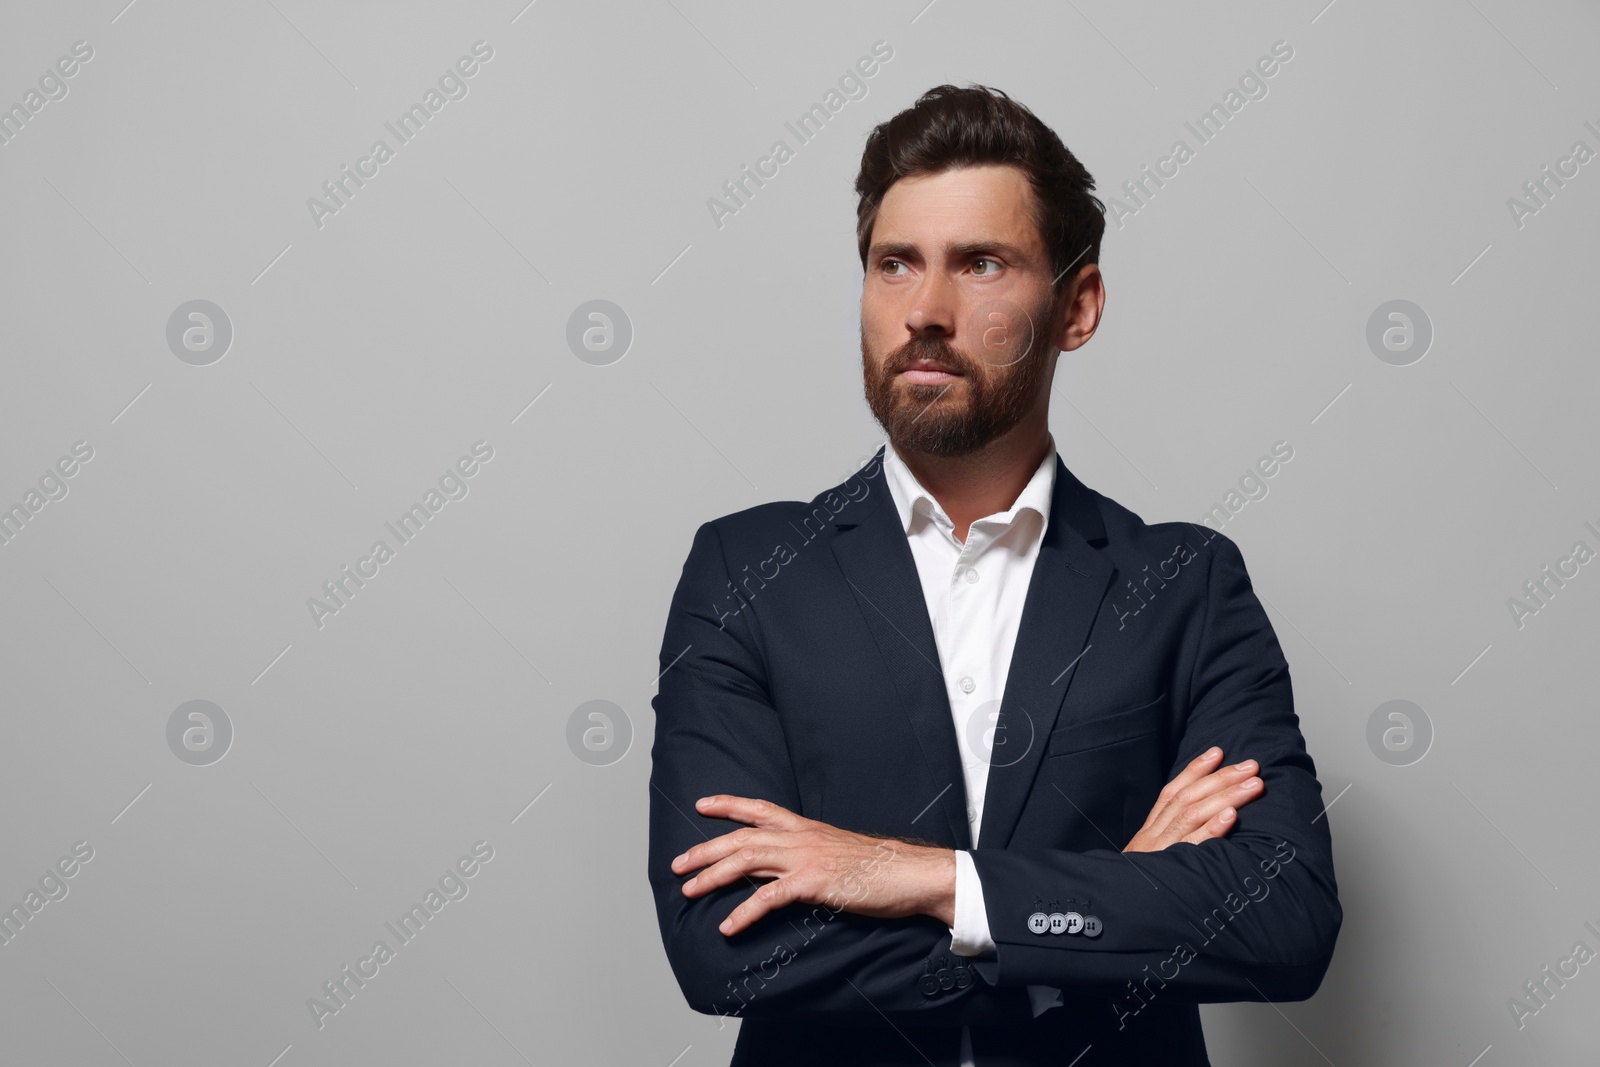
{"x": 1058, "y": 923}
{"x": 1092, "y": 926}
{"x": 1074, "y": 923}
{"x": 928, "y": 984}
{"x": 1039, "y": 922}
{"x": 947, "y": 979}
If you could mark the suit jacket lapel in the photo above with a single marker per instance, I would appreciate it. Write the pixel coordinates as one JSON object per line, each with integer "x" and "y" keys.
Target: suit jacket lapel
{"x": 875, "y": 556}
{"x": 1070, "y": 577}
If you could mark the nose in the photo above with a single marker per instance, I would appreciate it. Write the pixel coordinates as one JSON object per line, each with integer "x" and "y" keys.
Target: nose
{"x": 932, "y": 306}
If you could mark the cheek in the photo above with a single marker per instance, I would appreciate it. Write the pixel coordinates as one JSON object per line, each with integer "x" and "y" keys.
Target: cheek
{"x": 879, "y": 337}
{"x": 879, "y": 317}
{"x": 886, "y": 297}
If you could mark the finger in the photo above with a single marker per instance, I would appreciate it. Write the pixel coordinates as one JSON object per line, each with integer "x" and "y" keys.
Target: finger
{"x": 761, "y": 862}
{"x": 709, "y": 852}
{"x": 765, "y": 899}
{"x": 750, "y": 810}
{"x": 1196, "y": 769}
{"x": 1209, "y": 785}
{"x": 1217, "y": 782}
{"x": 1218, "y": 826}
{"x": 1193, "y": 816}
{"x": 1166, "y": 818}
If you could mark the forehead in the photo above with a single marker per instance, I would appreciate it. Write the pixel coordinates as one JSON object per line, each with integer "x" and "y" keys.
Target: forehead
{"x": 993, "y": 200}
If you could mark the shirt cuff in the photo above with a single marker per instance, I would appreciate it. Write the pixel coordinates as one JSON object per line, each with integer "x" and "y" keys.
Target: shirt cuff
{"x": 970, "y": 934}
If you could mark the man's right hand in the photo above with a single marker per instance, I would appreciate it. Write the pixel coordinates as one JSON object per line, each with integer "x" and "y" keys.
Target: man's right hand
{"x": 1199, "y": 804}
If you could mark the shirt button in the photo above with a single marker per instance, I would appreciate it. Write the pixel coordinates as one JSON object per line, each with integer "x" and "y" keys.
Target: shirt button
{"x": 972, "y": 575}
{"x": 972, "y": 814}
{"x": 968, "y": 685}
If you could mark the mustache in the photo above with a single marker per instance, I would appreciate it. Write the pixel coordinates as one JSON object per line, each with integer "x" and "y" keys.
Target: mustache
{"x": 920, "y": 348}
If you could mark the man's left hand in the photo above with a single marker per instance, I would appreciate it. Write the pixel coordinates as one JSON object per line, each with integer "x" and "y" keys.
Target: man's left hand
{"x": 814, "y": 863}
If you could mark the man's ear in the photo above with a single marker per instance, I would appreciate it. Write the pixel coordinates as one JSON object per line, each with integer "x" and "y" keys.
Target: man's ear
{"x": 1080, "y": 307}
{"x": 1061, "y": 315}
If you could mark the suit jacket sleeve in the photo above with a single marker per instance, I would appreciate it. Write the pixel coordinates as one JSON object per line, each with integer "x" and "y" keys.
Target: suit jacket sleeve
{"x": 1250, "y": 916}
{"x": 717, "y": 731}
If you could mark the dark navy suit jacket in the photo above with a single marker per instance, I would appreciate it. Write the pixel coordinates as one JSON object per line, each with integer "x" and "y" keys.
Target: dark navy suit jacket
{"x": 799, "y": 666}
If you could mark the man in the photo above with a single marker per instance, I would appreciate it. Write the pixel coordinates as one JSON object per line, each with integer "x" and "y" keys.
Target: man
{"x": 938, "y": 767}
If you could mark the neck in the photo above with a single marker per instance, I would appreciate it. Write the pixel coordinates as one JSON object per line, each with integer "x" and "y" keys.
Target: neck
{"x": 985, "y": 482}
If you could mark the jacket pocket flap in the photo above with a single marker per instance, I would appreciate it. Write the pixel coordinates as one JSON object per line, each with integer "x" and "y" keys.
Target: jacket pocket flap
{"x": 1079, "y": 734}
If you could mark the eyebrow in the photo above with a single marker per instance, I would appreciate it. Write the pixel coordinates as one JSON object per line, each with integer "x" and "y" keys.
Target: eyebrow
{"x": 959, "y": 250}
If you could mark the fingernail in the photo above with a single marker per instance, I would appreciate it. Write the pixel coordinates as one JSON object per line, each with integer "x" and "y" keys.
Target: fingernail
{"x": 727, "y": 924}
{"x": 690, "y": 883}
{"x": 1213, "y": 752}
{"x": 1247, "y": 765}
{"x": 678, "y": 859}
{"x": 702, "y": 802}
{"x": 1227, "y": 814}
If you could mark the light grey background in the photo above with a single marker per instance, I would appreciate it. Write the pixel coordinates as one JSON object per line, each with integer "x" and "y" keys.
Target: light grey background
{"x": 431, "y": 311}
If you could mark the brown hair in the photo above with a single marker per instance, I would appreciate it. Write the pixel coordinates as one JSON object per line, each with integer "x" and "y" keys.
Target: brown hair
{"x": 950, "y": 127}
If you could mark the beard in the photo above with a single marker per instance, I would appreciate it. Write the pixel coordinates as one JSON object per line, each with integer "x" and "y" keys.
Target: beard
{"x": 958, "y": 417}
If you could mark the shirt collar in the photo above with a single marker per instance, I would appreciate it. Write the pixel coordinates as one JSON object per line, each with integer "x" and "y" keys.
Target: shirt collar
{"x": 910, "y": 497}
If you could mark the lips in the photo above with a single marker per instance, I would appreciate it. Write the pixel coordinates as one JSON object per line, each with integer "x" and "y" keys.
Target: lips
{"x": 930, "y": 372}
{"x": 931, "y": 365}
{"x": 927, "y": 372}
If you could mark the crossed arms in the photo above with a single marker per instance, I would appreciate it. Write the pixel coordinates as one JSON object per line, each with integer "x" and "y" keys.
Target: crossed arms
{"x": 840, "y": 924}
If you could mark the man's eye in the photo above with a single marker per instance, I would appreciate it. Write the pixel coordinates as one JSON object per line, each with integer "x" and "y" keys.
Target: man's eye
{"x": 891, "y": 263}
{"x": 991, "y": 262}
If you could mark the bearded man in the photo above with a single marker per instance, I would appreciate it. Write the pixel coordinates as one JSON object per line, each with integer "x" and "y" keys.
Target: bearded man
{"x": 938, "y": 773}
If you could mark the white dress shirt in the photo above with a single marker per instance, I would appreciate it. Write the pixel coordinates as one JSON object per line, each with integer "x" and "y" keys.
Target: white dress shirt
{"x": 975, "y": 592}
